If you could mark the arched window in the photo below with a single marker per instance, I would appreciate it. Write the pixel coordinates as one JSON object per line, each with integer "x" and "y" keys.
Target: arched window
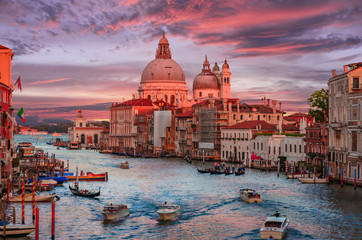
{"x": 224, "y": 80}
{"x": 172, "y": 99}
{"x": 149, "y": 96}
{"x": 166, "y": 98}
{"x": 227, "y": 80}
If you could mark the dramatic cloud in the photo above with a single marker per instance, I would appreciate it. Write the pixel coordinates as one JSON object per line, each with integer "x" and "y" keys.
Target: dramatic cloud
{"x": 88, "y": 52}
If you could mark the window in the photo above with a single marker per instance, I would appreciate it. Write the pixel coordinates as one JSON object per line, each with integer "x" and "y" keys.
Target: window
{"x": 241, "y": 117}
{"x": 278, "y": 117}
{"x": 269, "y": 149}
{"x": 300, "y": 148}
{"x": 257, "y": 146}
{"x": 354, "y": 141}
{"x": 223, "y": 154}
{"x": 261, "y": 146}
{"x": 295, "y": 148}
{"x": 290, "y": 148}
{"x": 258, "y": 117}
{"x": 80, "y": 124}
{"x": 286, "y": 147}
{"x": 280, "y": 150}
{"x": 234, "y": 117}
{"x": 200, "y": 94}
{"x": 355, "y": 83}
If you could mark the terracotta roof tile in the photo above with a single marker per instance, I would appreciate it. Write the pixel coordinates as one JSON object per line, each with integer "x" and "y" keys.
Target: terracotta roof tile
{"x": 253, "y": 125}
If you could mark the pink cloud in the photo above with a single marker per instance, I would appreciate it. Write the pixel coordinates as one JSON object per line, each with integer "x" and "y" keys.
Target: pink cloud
{"x": 49, "y": 81}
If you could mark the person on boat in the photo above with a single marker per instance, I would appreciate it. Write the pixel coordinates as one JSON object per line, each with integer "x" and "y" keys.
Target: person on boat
{"x": 276, "y": 214}
{"x": 165, "y": 204}
{"x": 254, "y": 193}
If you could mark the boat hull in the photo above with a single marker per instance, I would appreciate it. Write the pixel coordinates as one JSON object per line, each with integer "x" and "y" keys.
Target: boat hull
{"x": 90, "y": 177}
{"x": 312, "y": 180}
{"x": 267, "y": 234}
{"x": 167, "y": 216}
{"x": 114, "y": 216}
{"x": 250, "y": 200}
{"x": 17, "y": 230}
{"x": 29, "y": 198}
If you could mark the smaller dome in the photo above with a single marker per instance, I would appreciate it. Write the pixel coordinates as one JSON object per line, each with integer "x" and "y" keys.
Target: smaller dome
{"x": 225, "y": 65}
{"x": 216, "y": 67}
{"x": 206, "y": 80}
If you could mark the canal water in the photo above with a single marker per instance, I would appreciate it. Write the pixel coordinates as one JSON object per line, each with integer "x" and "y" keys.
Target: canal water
{"x": 211, "y": 207}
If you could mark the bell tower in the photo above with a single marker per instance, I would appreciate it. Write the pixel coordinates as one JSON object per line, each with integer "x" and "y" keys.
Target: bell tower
{"x": 225, "y": 81}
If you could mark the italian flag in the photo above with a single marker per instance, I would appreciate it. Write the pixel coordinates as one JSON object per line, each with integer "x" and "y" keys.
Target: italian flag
{"x": 21, "y": 114}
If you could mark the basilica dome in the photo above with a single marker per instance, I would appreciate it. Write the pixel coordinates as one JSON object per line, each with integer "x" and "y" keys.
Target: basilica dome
{"x": 164, "y": 70}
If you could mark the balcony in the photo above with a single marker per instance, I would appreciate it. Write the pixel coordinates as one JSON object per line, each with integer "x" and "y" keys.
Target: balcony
{"x": 335, "y": 125}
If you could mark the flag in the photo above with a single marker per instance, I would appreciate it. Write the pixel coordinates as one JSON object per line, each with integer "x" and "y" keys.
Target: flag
{"x": 21, "y": 114}
{"x": 18, "y": 82}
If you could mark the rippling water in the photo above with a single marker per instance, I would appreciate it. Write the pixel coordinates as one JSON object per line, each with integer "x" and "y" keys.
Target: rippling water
{"x": 211, "y": 207}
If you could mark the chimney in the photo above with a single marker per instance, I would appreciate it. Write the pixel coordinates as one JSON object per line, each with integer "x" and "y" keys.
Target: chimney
{"x": 345, "y": 68}
{"x": 280, "y": 106}
{"x": 334, "y": 72}
{"x": 274, "y": 106}
{"x": 268, "y": 102}
{"x": 238, "y": 105}
{"x": 264, "y": 101}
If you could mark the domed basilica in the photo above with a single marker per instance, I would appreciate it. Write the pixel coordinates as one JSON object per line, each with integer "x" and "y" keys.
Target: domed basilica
{"x": 164, "y": 79}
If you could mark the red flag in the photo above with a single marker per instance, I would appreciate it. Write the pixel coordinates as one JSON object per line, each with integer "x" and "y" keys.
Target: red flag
{"x": 18, "y": 82}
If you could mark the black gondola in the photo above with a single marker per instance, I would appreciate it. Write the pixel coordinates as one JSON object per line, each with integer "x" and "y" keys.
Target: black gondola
{"x": 203, "y": 171}
{"x": 241, "y": 172}
{"x": 84, "y": 193}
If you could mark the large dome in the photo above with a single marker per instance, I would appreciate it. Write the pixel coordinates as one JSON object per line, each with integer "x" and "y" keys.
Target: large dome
{"x": 206, "y": 80}
{"x": 163, "y": 69}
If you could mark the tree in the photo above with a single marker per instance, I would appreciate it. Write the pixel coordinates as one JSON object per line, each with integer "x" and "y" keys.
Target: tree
{"x": 318, "y": 103}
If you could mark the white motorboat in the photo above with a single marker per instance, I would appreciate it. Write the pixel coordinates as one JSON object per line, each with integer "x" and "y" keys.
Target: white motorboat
{"x": 250, "y": 196}
{"x": 312, "y": 180}
{"x": 274, "y": 227}
{"x": 113, "y": 212}
{"x": 124, "y": 165}
{"x": 168, "y": 212}
{"x": 17, "y": 230}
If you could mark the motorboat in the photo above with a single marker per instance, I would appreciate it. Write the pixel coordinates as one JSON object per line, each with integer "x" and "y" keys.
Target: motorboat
{"x": 55, "y": 134}
{"x": 312, "y": 180}
{"x": 274, "y": 227}
{"x": 113, "y": 212}
{"x": 124, "y": 165}
{"x": 17, "y": 230}
{"x": 105, "y": 151}
{"x": 250, "y": 196}
{"x": 47, "y": 182}
{"x": 38, "y": 198}
{"x": 168, "y": 212}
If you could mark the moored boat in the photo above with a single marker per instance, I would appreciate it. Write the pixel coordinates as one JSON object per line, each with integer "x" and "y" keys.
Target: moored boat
{"x": 124, "y": 165}
{"x": 105, "y": 151}
{"x": 38, "y": 198}
{"x": 204, "y": 171}
{"x": 274, "y": 227}
{"x": 168, "y": 212}
{"x": 90, "y": 177}
{"x": 17, "y": 230}
{"x": 239, "y": 172}
{"x": 47, "y": 182}
{"x": 113, "y": 212}
{"x": 312, "y": 180}
{"x": 250, "y": 196}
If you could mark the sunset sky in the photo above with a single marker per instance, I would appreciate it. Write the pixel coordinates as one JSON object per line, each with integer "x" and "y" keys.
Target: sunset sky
{"x": 75, "y": 53}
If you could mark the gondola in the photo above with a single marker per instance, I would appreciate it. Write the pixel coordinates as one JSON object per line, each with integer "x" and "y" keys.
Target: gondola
{"x": 203, "y": 171}
{"x": 84, "y": 193}
{"x": 228, "y": 173}
{"x": 237, "y": 173}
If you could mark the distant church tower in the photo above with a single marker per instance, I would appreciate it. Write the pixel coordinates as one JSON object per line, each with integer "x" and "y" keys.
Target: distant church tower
{"x": 225, "y": 81}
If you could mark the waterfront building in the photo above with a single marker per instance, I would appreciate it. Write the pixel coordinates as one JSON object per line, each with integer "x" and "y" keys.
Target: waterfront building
{"x": 6, "y": 110}
{"x": 354, "y": 157}
{"x": 83, "y": 132}
{"x": 163, "y": 78}
{"x": 236, "y": 140}
{"x": 316, "y": 145}
{"x": 122, "y": 128}
{"x": 344, "y": 122}
{"x": 183, "y": 137}
{"x": 212, "y": 114}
